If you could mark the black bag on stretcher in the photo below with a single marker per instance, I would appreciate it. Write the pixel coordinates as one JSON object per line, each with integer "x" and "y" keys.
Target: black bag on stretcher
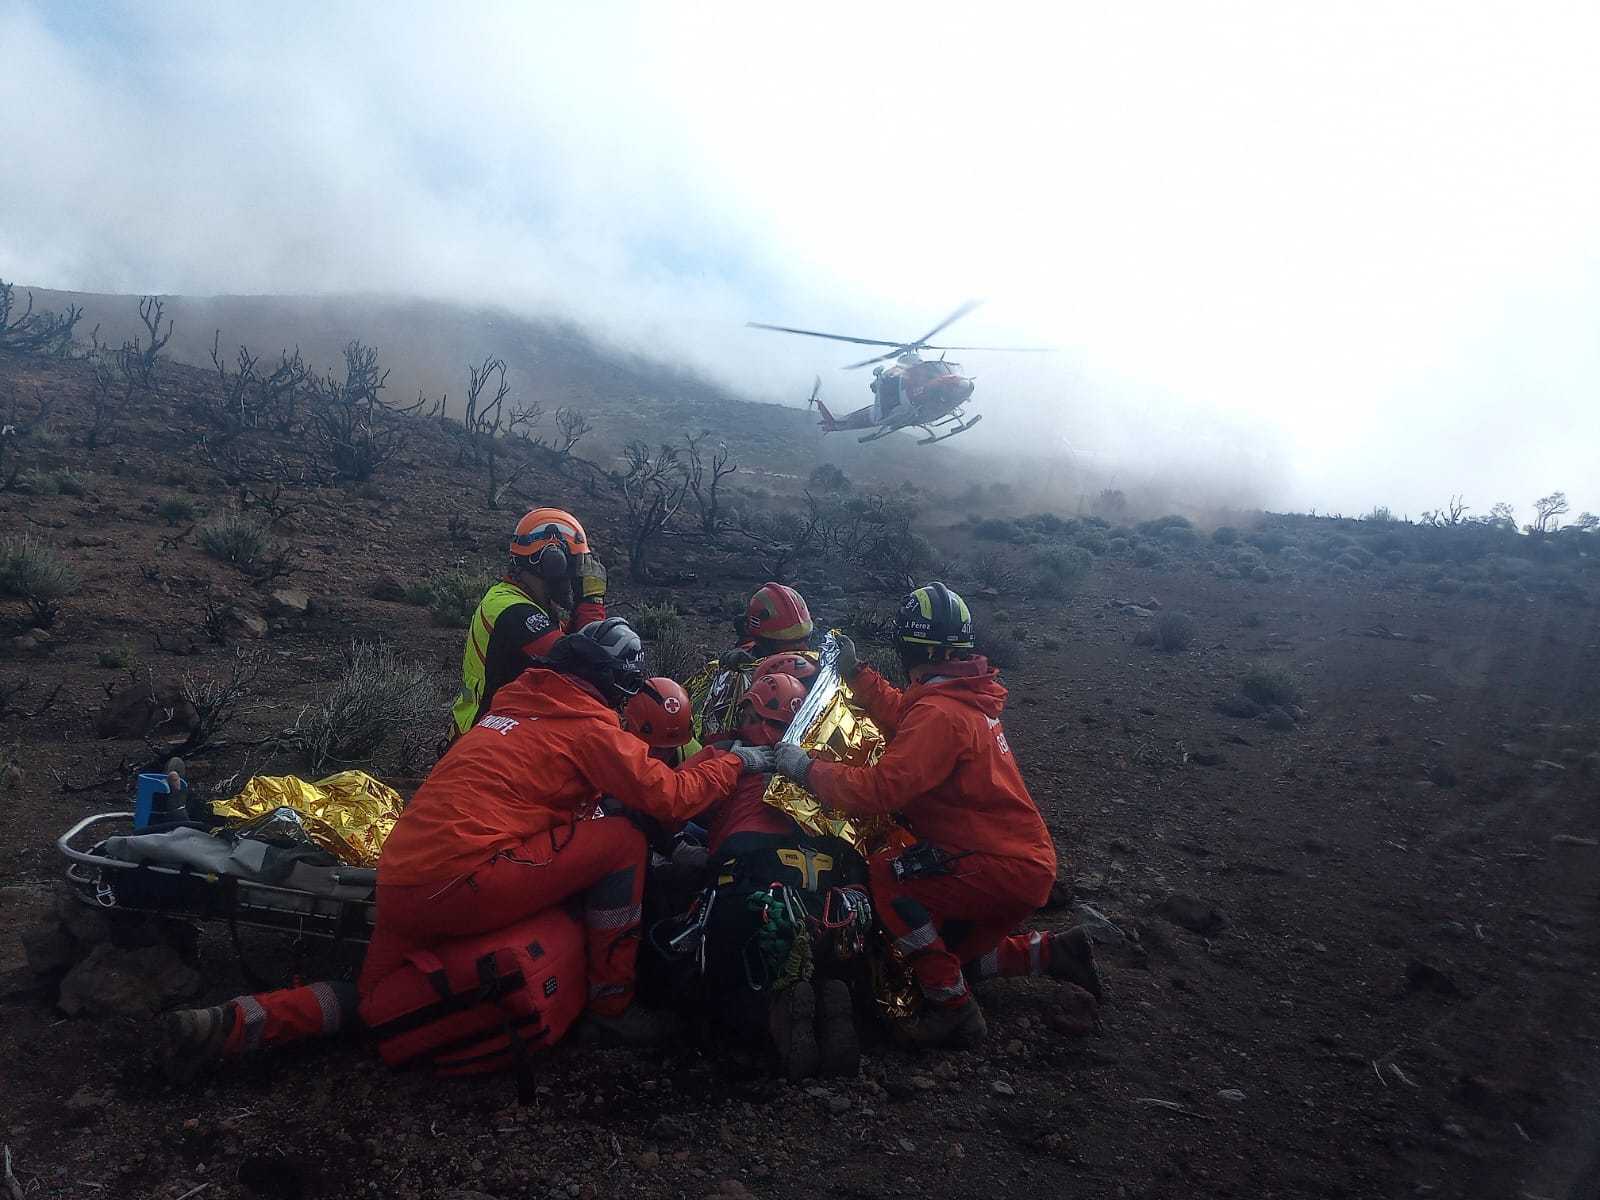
{"x": 482, "y": 1003}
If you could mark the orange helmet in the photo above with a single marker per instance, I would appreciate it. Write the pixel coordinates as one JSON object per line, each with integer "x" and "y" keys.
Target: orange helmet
{"x": 777, "y": 614}
{"x": 787, "y": 662}
{"x": 549, "y": 538}
{"x": 659, "y": 714}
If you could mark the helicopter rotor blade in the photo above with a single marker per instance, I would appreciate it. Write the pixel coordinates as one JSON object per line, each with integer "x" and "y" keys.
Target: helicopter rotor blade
{"x": 837, "y": 337}
{"x": 895, "y": 353}
{"x": 1003, "y": 349}
{"x": 948, "y": 321}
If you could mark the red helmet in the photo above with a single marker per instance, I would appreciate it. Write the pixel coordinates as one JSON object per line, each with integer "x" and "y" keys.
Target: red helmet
{"x": 768, "y": 707}
{"x": 788, "y": 662}
{"x": 659, "y": 714}
{"x": 778, "y": 614}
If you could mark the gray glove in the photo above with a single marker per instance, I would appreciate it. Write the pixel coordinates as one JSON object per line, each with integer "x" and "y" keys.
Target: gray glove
{"x": 792, "y": 760}
{"x": 737, "y": 660}
{"x": 753, "y": 760}
{"x": 847, "y": 663}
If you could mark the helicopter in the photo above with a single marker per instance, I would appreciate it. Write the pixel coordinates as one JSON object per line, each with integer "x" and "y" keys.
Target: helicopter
{"x": 913, "y": 393}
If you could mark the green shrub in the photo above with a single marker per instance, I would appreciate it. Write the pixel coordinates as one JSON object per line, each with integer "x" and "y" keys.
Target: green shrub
{"x": 1260, "y": 574}
{"x": 1443, "y": 585}
{"x": 451, "y": 597}
{"x": 1118, "y": 545}
{"x": 1159, "y": 525}
{"x": 378, "y": 701}
{"x": 1174, "y": 631}
{"x": 121, "y": 657}
{"x": 1094, "y": 542}
{"x": 1052, "y": 525}
{"x": 176, "y": 509}
{"x": 1058, "y": 570}
{"x": 655, "y": 620}
{"x": 1268, "y": 686}
{"x": 998, "y": 529}
{"x": 671, "y": 654}
{"x": 69, "y": 484}
{"x": 1147, "y": 555}
{"x": 1268, "y": 541}
{"x": 35, "y": 574}
{"x": 1224, "y": 535}
{"x": 1481, "y": 591}
{"x": 1179, "y": 535}
{"x": 830, "y": 478}
{"x": 235, "y": 538}
{"x": 1341, "y": 572}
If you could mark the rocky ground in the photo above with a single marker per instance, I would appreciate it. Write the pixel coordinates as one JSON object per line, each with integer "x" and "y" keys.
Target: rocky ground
{"x": 1353, "y": 941}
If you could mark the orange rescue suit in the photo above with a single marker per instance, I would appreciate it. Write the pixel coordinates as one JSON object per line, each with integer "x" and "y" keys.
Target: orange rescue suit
{"x": 541, "y": 759}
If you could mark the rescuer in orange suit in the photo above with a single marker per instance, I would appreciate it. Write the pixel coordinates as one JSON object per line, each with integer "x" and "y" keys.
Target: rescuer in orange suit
{"x": 775, "y": 621}
{"x": 984, "y": 860}
{"x": 503, "y": 828}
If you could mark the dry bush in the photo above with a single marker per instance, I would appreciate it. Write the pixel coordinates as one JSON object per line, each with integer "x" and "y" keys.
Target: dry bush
{"x": 1058, "y": 570}
{"x": 651, "y": 621}
{"x": 996, "y": 569}
{"x": 34, "y": 332}
{"x": 670, "y": 653}
{"x": 379, "y": 701}
{"x": 450, "y": 597}
{"x": 216, "y": 701}
{"x": 174, "y": 510}
{"x": 36, "y": 574}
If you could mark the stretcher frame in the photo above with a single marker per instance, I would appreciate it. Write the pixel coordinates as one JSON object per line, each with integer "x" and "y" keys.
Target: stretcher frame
{"x": 291, "y": 911}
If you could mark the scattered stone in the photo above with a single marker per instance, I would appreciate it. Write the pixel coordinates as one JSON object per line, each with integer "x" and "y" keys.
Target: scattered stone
{"x": 1572, "y": 839}
{"x": 1192, "y": 913}
{"x": 1098, "y": 926}
{"x": 139, "y": 710}
{"x": 90, "y": 541}
{"x": 838, "y": 1105}
{"x": 1001, "y": 1088}
{"x": 1423, "y": 698}
{"x": 85, "y": 1103}
{"x": 389, "y": 586}
{"x": 1279, "y": 721}
{"x": 288, "y": 602}
{"x": 49, "y": 949}
{"x": 137, "y": 982}
{"x": 924, "y": 1083}
{"x": 245, "y": 623}
{"x": 1136, "y": 610}
{"x": 1232, "y": 1095}
{"x": 1543, "y": 766}
{"x": 1451, "y": 930}
{"x": 1299, "y": 714}
{"x": 1076, "y": 1014}
{"x": 1424, "y": 976}
{"x": 1240, "y": 706}
{"x": 1060, "y": 895}
{"x": 1206, "y": 758}
{"x": 649, "y": 1160}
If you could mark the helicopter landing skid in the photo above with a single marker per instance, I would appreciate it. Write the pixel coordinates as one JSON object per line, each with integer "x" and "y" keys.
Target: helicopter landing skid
{"x": 961, "y": 427}
{"x": 876, "y": 434}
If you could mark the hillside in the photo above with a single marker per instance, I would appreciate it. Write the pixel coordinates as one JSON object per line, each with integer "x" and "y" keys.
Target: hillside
{"x": 1330, "y": 783}
{"x": 427, "y": 346}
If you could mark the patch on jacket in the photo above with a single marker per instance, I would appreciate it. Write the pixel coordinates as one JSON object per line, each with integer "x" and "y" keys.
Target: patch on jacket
{"x": 537, "y": 622}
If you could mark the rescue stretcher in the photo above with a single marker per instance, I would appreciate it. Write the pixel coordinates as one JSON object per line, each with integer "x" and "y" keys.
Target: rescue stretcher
{"x": 186, "y": 894}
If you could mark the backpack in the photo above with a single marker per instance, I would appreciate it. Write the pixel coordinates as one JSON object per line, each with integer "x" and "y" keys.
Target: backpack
{"x": 483, "y": 1003}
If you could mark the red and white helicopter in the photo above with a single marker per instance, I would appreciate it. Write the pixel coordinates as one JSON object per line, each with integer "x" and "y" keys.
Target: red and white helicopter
{"x": 914, "y": 393}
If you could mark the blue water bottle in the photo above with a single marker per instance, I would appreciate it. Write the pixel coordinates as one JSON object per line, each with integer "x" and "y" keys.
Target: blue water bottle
{"x": 159, "y": 800}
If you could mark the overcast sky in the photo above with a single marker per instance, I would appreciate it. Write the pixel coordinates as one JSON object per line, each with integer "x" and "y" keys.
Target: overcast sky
{"x": 1350, "y": 250}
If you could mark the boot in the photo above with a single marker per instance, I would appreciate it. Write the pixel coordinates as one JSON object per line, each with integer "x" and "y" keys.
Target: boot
{"x": 633, "y": 1026}
{"x": 791, "y": 1019}
{"x": 839, "y": 1047}
{"x": 191, "y": 1039}
{"x": 958, "y": 1027}
{"x": 1072, "y": 959}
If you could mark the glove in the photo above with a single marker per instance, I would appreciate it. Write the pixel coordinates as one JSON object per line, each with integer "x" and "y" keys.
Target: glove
{"x": 847, "y": 661}
{"x": 793, "y": 761}
{"x": 737, "y": 660}
{"x": 753, "y": 760}
{"x": 588, "y": 579}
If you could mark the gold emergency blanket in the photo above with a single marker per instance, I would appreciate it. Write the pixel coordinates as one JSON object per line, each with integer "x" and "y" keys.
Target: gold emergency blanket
{"x": 835, "y": 728}
{"x": 348, "y": 814}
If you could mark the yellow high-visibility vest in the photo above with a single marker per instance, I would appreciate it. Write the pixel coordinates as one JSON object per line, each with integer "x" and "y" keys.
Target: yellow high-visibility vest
{"x": 474, "y": 657}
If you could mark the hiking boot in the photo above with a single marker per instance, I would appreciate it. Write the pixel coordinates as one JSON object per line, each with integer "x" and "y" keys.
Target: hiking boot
{"x": 192, "y": 1039}
{"x": 791, "y": 1019}
{"x": 958, "y": 1027}
{"x": 633, "y": 1026}
{"x": 839, "y": 1048}
{"x": 1072, "y": 959}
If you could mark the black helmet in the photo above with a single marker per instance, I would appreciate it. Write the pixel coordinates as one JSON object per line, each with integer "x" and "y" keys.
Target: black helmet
{"x": 607, "y": 654}
{"x": 934, "y": 616}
